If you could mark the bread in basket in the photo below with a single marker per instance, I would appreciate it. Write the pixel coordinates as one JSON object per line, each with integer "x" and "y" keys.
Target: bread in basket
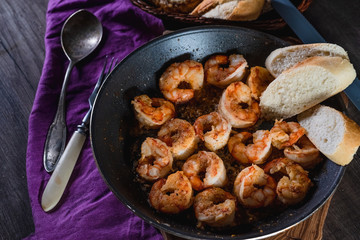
{"x": 268, "y": 20}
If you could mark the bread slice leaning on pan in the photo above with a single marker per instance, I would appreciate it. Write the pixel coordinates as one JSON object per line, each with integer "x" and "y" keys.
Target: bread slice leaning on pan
{"x": 334, "y": 134}
{"x": 283, "y": 58}
{"x": 304, "y": 85}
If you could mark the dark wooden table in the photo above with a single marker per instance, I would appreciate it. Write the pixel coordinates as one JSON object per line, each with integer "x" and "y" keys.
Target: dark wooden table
{"x": 22, "y": 52}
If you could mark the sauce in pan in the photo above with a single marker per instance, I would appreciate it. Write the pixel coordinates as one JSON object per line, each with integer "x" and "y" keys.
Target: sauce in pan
{"x": 204, "y": 102}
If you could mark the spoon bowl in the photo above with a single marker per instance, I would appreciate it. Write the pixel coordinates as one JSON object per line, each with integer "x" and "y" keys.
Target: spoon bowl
{"x": 80, "y": 35}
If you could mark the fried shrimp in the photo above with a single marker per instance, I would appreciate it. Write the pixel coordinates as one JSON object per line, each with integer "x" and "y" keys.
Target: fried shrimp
{"x": 156, "y": 160}
{"x": 304, "y": 153}
{"x": 152, "y": 112}
{"x": 256, "y": 153}
{"x": 253, "y": 188}
{"x": 189, "y": 73}
{"x": 180, "y": 136}
{"x": 237, "y": 147}
{"x": 172, "y": 195}
{"x": 208, "y": 163}
{"x": 258, "y": 80}
{"x": 215, "y": 207}
{"x": 285, "y": 134}
{"x": 238, "y": 107}
{"x": 295, "y": 183}
{"x": 218, "y": 130}
{"x": 221, "y": 70}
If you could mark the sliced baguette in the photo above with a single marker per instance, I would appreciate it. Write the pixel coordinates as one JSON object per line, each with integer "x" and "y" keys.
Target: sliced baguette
{"x": 283, "y": 58}
{"x": 334, "y": 134}
{"x": 239, "y": 10}
{"x": 304, "y": 85}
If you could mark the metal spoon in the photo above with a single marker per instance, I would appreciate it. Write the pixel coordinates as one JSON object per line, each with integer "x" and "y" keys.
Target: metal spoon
{"x": 80, "y": 35}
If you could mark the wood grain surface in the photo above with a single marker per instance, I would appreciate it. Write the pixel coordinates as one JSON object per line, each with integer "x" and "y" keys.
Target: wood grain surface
{"x": 22, "y": 51}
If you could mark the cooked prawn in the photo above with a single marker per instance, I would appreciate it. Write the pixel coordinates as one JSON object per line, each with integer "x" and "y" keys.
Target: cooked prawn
{"x": 156, "y": 159}
{"x": 292, "y": 187}
{"x": 189, "y": 72}
{"x": 256, "y": 153}
{"x": 253, "y": 188}
{"x": 285, "y": 134}
{"x": 238, "y": 107}
{"x": 152, "y": 112}
{"x": 208, "y": 163}
{"x": 217, "y": 74}
{"x": 219, "y": 130}
{"x": 258, "y": 80}
{"x": 237, "y": 147}
{"x": 215, "y": 207}
{"x": 304, "y": 153}
{"x": 172, "y": 195}
{"x": 180, "y": 136}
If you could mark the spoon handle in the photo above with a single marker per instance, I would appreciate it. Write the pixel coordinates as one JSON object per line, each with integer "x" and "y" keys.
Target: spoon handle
{"x": 56, "y": 136}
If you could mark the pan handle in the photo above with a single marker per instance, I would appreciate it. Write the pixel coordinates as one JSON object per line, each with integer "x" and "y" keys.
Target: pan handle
{"x": 308, "y": 34}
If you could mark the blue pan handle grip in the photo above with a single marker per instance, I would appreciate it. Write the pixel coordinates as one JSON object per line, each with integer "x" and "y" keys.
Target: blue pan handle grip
{"x": 308, "y": 34}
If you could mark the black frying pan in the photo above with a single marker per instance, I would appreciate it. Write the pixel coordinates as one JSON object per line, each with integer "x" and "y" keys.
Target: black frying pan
{"x": 113, "y": 119}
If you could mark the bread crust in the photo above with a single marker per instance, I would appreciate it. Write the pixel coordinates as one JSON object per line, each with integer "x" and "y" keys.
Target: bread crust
{"x": 344, "y": 153}
{"x": 349, "y": 143}
{"x": 181, "y": 6}
{"x": 244, "y": 10}
{"x": 205, "y": 6}
{"x": 247, "y": 10}
{"x": 283, "y": 58}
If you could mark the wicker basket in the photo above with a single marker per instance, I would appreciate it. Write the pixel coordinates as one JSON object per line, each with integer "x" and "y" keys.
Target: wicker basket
{"x": 269, "y": 21}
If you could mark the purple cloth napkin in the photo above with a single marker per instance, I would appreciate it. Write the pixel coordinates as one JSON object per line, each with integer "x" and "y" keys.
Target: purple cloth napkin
{"x": 88, "y": 209}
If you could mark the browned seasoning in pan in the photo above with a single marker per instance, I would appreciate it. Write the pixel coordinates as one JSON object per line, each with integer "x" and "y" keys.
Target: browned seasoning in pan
{"x": 205, "y": 101}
